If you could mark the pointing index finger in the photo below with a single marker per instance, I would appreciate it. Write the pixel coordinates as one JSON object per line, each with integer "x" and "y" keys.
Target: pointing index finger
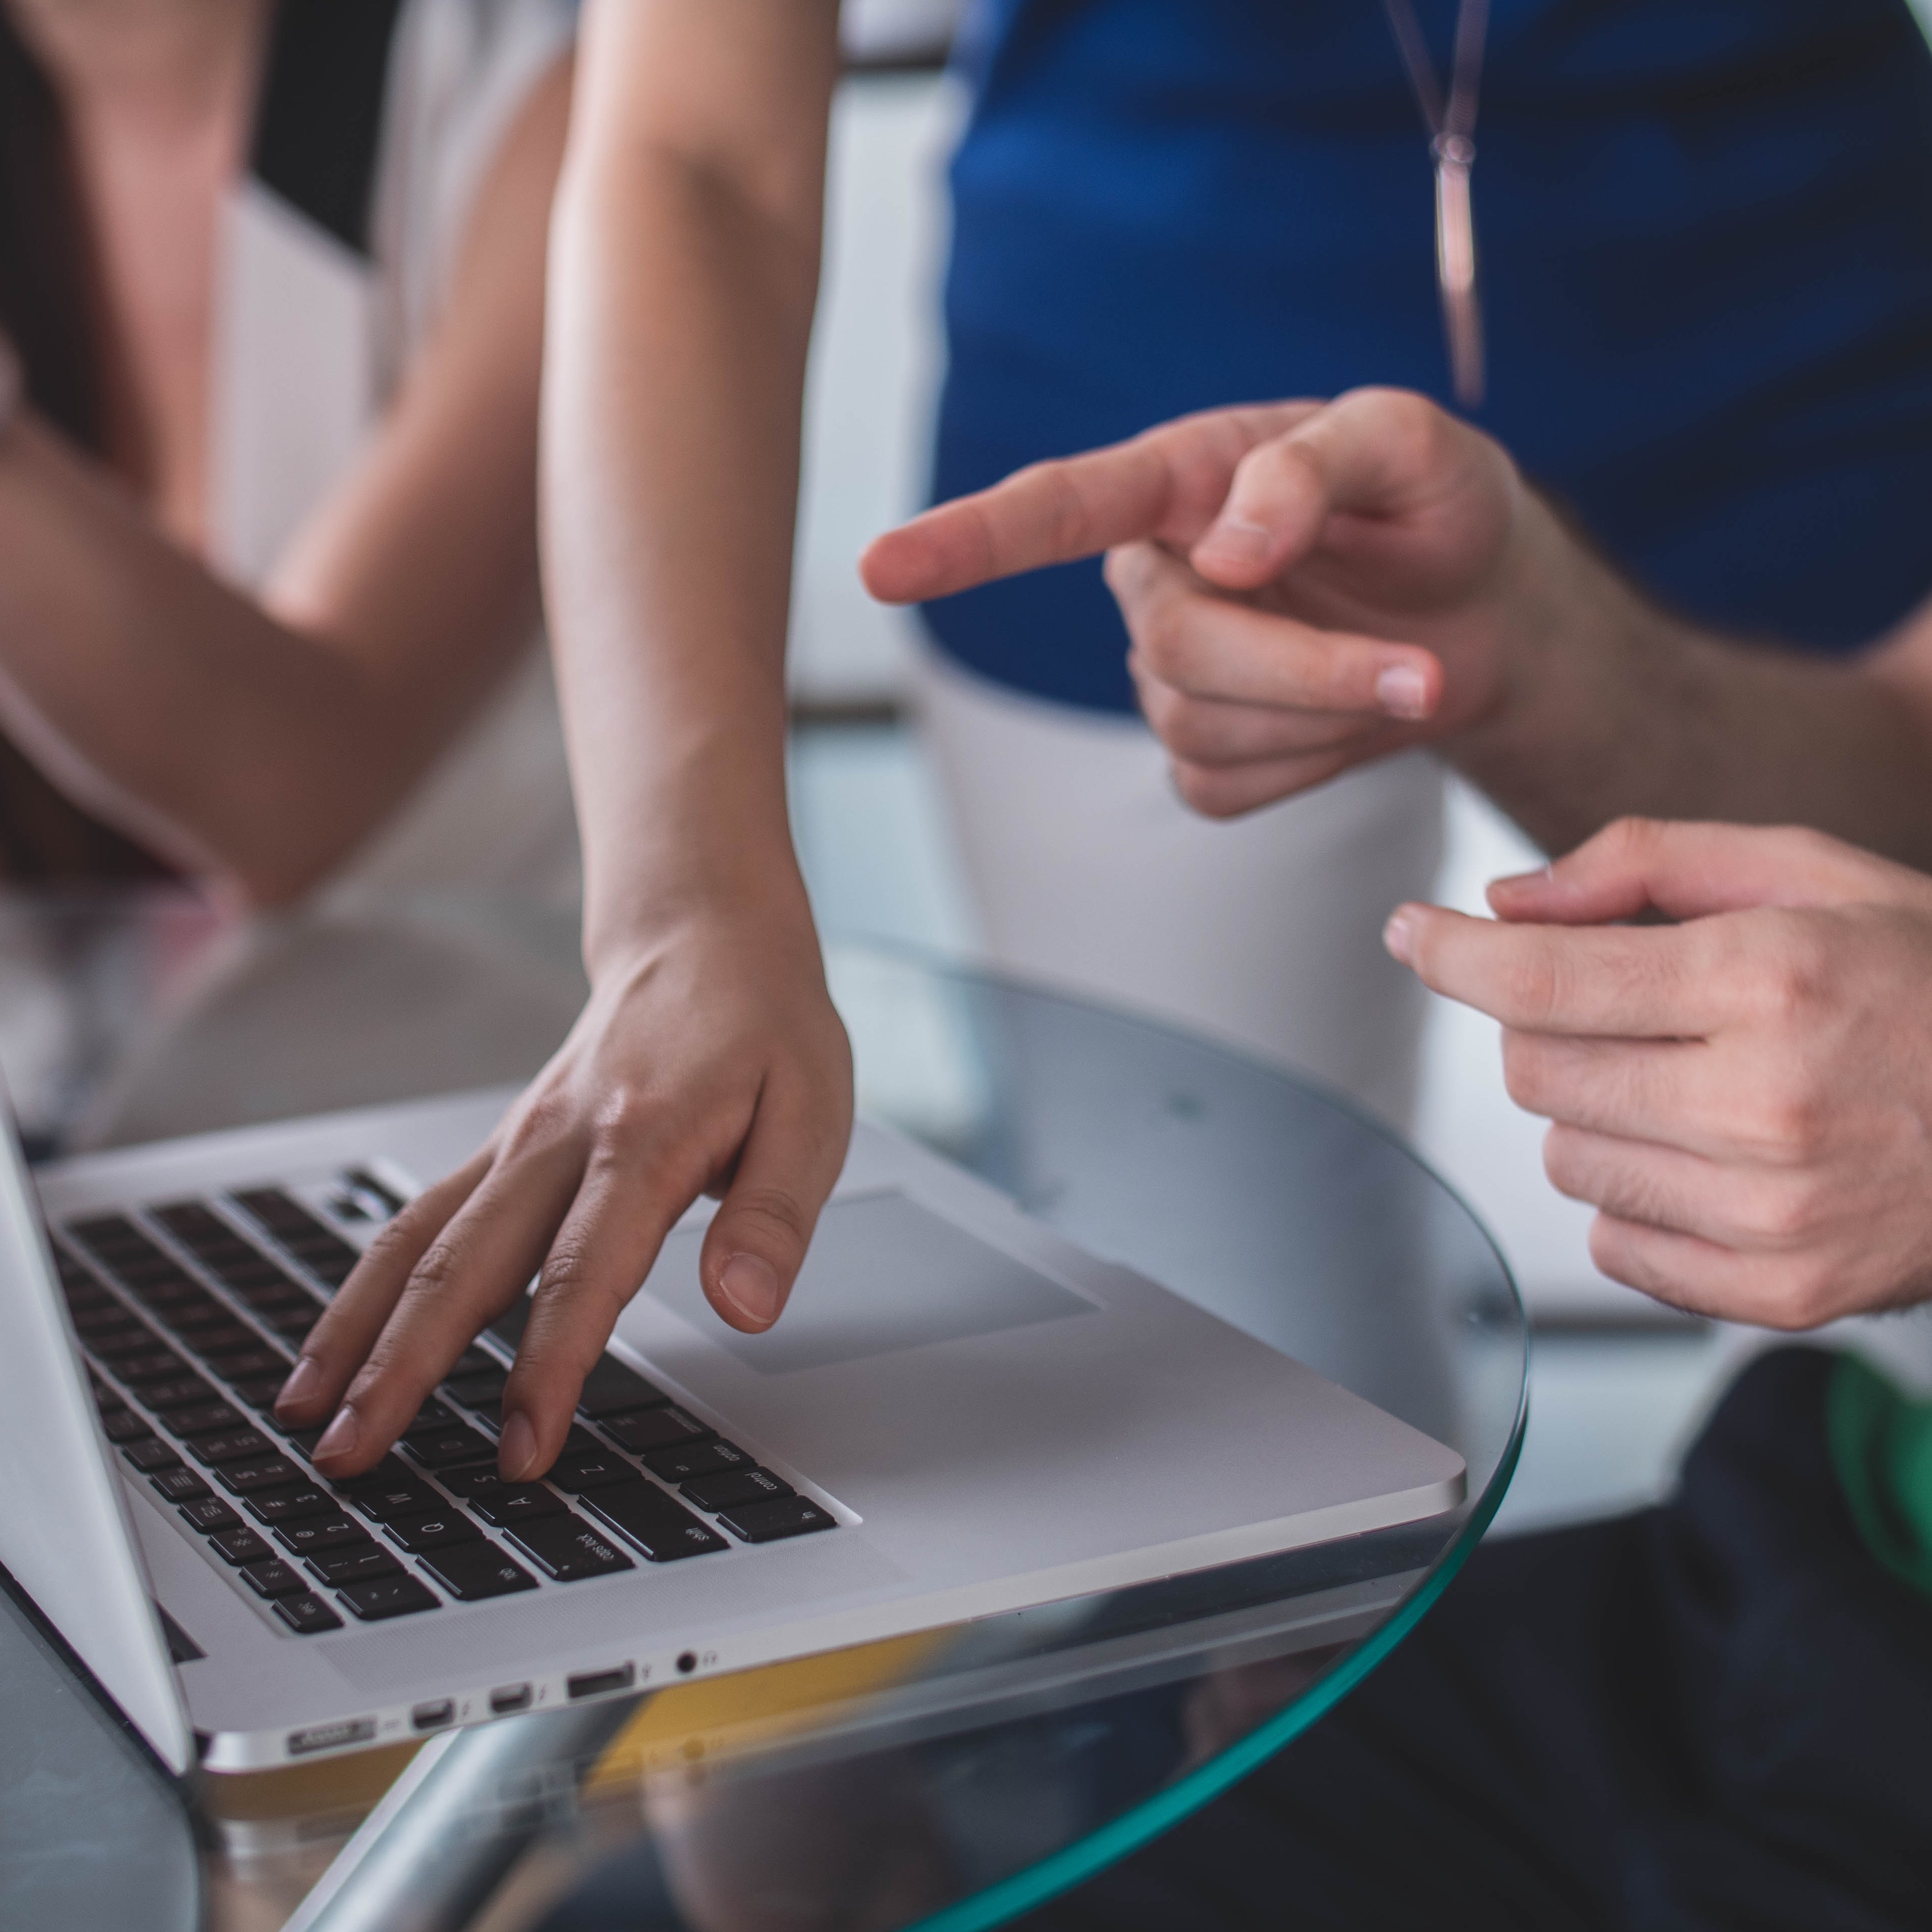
{"x": 1169, "y": 483}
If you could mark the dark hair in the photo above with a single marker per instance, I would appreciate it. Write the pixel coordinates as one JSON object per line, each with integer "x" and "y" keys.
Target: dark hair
{"x": 48, "y": 303}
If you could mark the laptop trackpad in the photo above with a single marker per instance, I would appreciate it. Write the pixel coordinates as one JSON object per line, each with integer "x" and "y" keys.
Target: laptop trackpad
{"x": 883, "y": 1274}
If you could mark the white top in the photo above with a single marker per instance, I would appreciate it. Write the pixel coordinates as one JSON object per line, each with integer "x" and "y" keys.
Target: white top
{"x": 313, "y": 336}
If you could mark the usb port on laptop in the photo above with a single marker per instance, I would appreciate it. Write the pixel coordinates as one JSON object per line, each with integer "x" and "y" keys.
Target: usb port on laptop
{"x": 594, "y": 1683}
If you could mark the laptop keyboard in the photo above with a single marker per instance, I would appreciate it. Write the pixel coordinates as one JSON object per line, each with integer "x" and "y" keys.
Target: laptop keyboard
{"x": 188, "y": 1315}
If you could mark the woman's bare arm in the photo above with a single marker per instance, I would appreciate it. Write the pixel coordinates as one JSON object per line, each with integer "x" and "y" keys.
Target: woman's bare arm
{"x": 684, "y": 264}
{"x": 261, "y": 742}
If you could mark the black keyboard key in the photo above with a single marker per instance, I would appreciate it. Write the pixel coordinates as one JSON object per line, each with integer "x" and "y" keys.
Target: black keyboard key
{"x": 594, "y": 1470}
{"x": 272, "y": 1579}
{"x": 189, "y": 1315}
{"x": 473, "y": 1480}
{"x": 304, "y": 1442}
{"x": 323, "y": 1532}
{"x": 766, "y": 1523}
{"x": 160, "y": 1289}
{"x": 105, "y": 1324}
{"x": 170, "y": 1397}
{"x": 219, "y": 1343}
{"x": 517, "y": 1502}
{"x": 611, "y": 1389}
{"x": 266, "y": 1472}
{"x": 136, "y": 1346}
{"x": 417, "y": 1533}
{"x": 108, "y": 1234}
{"x": 747, "y": 1486}
{"x": 647, "y": 1429}
{"x": 257, "y": 1392}
{"x": 210, "y": 1515}
{"x": 249, "y": 1363}
{"x": 206, "y": 1418}
{"x": 194, "y": 1224}
{"x": 324, "y": 1257}
{"x": 291, "y": 1325}
{"x": 397, "y": 1501}
{"x": 138, "y": 1367}
{"x": 275, "y": 1210}
{"x": 388, "y": 1470}
{"x": 233, "y": 1445}
{"x": 290, "y": 1505}
{"x": 568, "y": 1550}
{"x": 432, "y": 1419}
{"x": 387, "y": 1596}
{"x": 238, "y": 1546}
{"x": 180, "y": 1486}
{"x": 123, "y": 1425}
{"x": 714, "y": 1458}
{"x": 476, "y": 1391}
{"x": 475, "y": 1362}
{"x": 643, "y": 1514}
{"x": 470, "y": 1571}
{"x": 307, "y": 1616}
{"x": 259, "y": 1275}
{"x": 447, "y": 1447}
{"x": 276, "y": 1297}
{"x": 353, "y": 1565}
{"x": 149, "y": 1454}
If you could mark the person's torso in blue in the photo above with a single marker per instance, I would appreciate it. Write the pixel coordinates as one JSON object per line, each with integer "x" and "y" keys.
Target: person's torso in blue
{"x": 1706, "y": 234}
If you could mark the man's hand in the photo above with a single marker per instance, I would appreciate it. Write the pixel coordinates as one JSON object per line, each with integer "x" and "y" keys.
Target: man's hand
{"x": 1745, "y": 1096}
{"x": 1306, "y": 586}
{"x": 714, "y": 1062}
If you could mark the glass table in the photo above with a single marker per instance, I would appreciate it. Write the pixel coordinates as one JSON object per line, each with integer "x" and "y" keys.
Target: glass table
{"x": 949, "y": 1780}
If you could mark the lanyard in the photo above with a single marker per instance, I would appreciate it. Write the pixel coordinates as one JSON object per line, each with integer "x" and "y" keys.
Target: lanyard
{"x": 1451, "y": 124}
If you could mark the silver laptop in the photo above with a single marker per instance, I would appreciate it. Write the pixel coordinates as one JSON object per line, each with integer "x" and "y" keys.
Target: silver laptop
{"x": 960, "y": 1414}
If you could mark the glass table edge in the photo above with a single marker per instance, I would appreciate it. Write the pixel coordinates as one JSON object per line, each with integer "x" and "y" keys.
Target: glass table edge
{"x": 1061, "y": 1871}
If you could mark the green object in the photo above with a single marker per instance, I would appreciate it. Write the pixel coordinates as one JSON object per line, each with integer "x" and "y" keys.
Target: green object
{"x": 1880, "y": 1441}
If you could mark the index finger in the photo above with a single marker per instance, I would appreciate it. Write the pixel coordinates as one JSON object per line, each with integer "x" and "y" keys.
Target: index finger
{"x": 1620, "y": 982}
{"x": 1168, "y": 483}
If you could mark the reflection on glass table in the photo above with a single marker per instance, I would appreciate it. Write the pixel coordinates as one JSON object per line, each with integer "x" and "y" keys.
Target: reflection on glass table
{"x": 950, "y": 1776}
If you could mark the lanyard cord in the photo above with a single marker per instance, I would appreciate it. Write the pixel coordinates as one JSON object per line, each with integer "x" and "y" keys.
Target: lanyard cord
{"x": 1452, "y": 127}
{"x": 1456, "y": 121}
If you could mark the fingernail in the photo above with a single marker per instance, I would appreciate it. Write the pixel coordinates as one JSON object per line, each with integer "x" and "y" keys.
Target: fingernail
{"x": 517, "y": 1448}
{"x": 1398, "y": 935}
{"x": 339, "y": 1438}
{"x": 1403, "y": 691}
{"x": 1234, "y": 540}
{"x": 751, "y": 1286}
{"x": 303, "y": 1380}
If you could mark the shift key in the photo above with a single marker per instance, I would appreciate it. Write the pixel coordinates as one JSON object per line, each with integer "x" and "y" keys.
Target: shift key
{"x": 643, "y": 1514}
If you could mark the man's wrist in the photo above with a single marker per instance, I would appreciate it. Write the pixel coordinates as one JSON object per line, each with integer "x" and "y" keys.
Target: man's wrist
{"x": 1578, "y": 633}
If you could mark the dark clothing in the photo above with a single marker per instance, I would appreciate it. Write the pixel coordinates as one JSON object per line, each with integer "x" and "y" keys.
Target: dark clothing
{"x": 1705, "y": 235}
{"x": 1714, "y": 1714}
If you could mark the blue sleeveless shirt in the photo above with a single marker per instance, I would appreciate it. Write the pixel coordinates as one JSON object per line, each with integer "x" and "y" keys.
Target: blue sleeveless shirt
{"x": 1705, "y": 229}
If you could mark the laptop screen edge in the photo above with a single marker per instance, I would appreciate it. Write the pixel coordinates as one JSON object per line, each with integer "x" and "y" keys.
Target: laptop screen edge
{"x": 66, "y": 1536}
